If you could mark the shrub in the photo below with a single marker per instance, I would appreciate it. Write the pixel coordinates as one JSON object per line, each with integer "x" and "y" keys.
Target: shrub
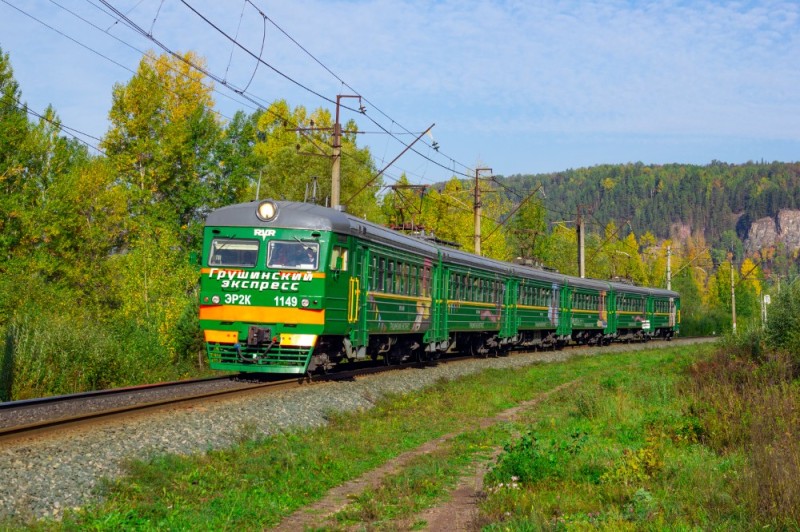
{"x": 7, "y": 367}
{"x": 56, "y": 353}
{"x": 530, "y": 460}
{"x": 783, "y": 323}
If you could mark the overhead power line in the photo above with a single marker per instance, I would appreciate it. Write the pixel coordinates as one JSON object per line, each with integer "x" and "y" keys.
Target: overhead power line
{"x": 308, "y": 89}
{"x": 343, "y": 82}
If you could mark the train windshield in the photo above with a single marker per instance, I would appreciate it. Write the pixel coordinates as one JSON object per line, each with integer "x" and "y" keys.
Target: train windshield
{"x": 230, "y": 252}
{"x": 293, "y": 255}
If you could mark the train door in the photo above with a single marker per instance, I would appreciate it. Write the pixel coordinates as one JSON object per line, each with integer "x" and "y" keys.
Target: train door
{"x": 649, "y": 326}
{"x": 440, "y": 280}
{"x": 357, "y": 299}
{"x": 508, "y": 316}
{"x": 564, "y": 328}
{"x": 337, "y": 278}
{"x": 611, "y": 308}
{"x": 672, "y": 312}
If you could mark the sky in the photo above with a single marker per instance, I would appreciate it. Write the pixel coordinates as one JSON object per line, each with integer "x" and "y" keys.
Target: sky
{"x": 518, "y": 86}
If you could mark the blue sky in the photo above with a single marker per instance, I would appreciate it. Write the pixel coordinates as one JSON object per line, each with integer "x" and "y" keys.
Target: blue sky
{"x": 519, "y": 86}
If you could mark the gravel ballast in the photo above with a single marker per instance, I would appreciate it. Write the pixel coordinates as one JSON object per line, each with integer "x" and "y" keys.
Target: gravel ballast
{"x": 43, "y": 477}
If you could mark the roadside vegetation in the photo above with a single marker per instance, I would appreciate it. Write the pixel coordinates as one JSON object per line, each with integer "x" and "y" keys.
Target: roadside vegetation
{"x": 681, "y": 437}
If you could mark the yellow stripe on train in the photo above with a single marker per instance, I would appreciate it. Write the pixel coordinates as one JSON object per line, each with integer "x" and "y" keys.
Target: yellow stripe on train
{"x": 221, "y": 337}
{"x": 255, "y": 314}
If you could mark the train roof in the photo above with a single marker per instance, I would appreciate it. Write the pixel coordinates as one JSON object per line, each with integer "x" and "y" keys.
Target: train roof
{"x": 294, "y": 215}
{"x": 308, "y": 216}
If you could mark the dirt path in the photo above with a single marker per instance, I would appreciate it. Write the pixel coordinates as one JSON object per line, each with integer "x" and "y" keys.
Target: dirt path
{"x": 458, "y": 513}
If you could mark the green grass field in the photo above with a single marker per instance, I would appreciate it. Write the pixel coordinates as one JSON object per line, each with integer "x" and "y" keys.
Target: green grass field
{"x": 629, "y": 444}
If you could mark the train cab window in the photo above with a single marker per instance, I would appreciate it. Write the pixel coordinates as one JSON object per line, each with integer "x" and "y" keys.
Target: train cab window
{"x": 293, "y": 255}
{"x": 231, "y": 252}
{"x": 339, "y": 259}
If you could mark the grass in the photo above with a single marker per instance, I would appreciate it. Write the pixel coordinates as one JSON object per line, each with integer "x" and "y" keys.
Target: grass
{"x": 626, "y": 448}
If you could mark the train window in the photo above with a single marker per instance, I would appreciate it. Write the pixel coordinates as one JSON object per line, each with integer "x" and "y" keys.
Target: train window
{"x": 339, "y": 259}
{"x": 391, "y": 278}
{"x": 293, "y": 255}
{"x": 230, "y": 252}
{"x": 381, "y": 274}
{"x": 399, "y": 282}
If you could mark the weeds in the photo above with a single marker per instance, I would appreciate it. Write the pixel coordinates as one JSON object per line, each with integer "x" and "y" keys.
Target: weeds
{"x": 629, "y": 448}
{"x": 621, "y": 456}
{"x": 753, "y": 407}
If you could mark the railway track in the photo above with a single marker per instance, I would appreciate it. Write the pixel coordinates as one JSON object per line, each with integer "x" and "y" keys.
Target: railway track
{"x": 37, "y": 417}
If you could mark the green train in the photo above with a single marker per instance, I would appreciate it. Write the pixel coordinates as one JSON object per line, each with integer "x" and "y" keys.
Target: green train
{"x": 294, "y": 287}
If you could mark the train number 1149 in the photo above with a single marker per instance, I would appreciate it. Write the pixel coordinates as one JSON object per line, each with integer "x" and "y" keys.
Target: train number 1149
{"x": 285, "y": 301}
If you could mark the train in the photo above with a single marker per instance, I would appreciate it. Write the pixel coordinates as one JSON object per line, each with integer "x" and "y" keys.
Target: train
{"x": 289, "y": 287}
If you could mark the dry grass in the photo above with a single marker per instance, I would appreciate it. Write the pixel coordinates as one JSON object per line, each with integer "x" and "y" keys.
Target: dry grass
{"x": 754, "y": 406}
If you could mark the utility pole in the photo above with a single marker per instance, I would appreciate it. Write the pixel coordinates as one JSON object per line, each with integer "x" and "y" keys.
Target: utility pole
{"x": 733, "y": 298}
{"x": 581, "y": 251}
{"x": 337, "y": 151}
{"x": 477, "y": 209}
{"x": 669, "y": 267}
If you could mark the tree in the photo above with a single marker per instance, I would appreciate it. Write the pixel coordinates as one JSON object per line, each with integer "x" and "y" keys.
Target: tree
{"x": 748, "y": 291}
{"x": 162, "y": 148}
{"x": 295, "y": 148}
{"x": 240, "y": 169}
{"x": 162, "y": 142}
{"x": 14, "y": 131}
{"x": 448, "y": 214}
{"x": 560, "y": 250}
{"x": 527, "y": 230}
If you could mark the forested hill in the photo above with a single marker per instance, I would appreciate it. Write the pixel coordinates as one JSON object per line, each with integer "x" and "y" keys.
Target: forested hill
{"x": 709, "y": 200}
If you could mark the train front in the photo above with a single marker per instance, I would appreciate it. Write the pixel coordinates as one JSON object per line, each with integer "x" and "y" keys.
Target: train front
{"x": 262, "y": 287}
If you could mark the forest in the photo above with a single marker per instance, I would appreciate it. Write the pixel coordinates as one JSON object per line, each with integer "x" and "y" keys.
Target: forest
{"x": 97, "y": 283}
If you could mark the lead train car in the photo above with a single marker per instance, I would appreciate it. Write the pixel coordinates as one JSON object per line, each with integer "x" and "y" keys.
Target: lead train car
{"x": 294, "y": 287}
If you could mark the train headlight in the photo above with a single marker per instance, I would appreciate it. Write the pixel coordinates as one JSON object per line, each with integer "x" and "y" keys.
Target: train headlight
{"x": 266, "y": 211}
{"x": 304, "y": 302}
{"x": 215, "y": 300}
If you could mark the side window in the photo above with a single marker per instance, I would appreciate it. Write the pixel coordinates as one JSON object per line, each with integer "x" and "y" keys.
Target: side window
{"x": 381, "y": 274}
{"x": 390, "y": 282}
{"x": 426, "y": 281}
{"x": 339, "y": 259}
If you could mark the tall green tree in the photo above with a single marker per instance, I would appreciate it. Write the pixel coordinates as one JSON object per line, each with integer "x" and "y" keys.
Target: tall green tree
{"x": 162, "y": 149}
{"x": 162, "y": 142}
{"x": 240, "y": 169}
{"x": 14, "y": 132}
{"x": 527, "y": 230}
